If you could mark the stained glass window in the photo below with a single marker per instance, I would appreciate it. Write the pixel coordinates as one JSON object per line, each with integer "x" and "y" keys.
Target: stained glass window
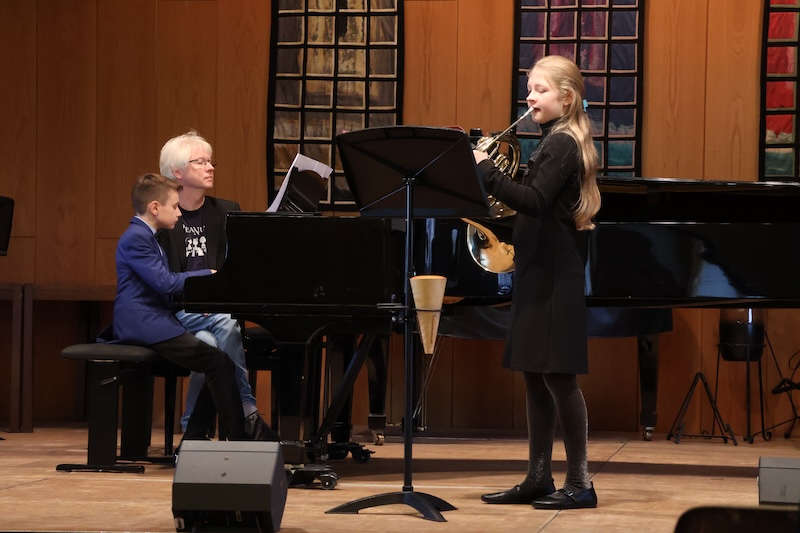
{"x": 779, "y": 109}
{"x": 335, "y": 66}
{"x": 604, "y": 37}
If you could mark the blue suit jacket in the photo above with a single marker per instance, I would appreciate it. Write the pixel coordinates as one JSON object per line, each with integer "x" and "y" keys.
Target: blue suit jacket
{"x": 142, "y": 313}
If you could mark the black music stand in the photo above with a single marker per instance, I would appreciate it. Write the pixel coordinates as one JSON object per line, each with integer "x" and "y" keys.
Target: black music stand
{"x": 410, "y": 171}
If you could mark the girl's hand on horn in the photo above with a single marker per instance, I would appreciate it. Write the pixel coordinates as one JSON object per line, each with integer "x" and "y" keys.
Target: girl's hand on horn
{"x": 479, "y": 156}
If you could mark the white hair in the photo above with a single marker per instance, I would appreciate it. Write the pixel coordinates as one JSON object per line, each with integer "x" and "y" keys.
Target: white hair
{"x": 176, "y": 152}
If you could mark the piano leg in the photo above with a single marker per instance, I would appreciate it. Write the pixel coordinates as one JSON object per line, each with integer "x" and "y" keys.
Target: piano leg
{"x": 648, "y": 383}
{"x": 293, "y": 369}
{"x": 339, "y": 353}
{"x": 342, "y": 396}
{"x": 377, "y": 373}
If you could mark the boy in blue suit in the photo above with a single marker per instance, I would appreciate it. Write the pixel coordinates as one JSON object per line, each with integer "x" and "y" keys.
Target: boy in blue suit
{"x": 142, "y": 313}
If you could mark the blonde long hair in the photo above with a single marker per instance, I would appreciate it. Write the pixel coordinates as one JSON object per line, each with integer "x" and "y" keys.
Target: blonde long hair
{"x": 564, "y": 76}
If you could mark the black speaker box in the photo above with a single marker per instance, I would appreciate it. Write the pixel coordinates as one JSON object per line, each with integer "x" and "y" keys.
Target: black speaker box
{"x": 236, "y": 485}
{"x": 737, "y": 520}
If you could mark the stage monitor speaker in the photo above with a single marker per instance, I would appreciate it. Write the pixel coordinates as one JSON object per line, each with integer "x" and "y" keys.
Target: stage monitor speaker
{"x": 229, "y": 486}
{"x": 779, "y": 480}
{"x": 737, "y": 520}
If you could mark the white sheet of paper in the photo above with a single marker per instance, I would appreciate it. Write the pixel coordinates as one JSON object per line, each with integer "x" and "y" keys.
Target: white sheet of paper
{"x": 301, "y": 163}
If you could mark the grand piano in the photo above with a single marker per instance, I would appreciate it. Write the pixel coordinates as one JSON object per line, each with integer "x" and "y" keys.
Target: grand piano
{"x": 659, "y": 243}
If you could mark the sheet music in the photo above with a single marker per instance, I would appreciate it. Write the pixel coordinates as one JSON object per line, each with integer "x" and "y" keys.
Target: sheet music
{"x": 301, "y": 163}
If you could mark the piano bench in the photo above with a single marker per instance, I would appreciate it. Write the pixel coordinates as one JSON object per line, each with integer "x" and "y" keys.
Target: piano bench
{"x": 133, "y": 367}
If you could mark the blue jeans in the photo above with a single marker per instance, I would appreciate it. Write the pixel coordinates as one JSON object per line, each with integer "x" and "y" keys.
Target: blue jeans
{"x": 222, "y": 331}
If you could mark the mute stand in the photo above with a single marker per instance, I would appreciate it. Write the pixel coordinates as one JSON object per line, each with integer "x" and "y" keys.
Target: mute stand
{"x": 784, "y": 386}
{"x": 435, "y": 170}
{"x": 676, "y": 431}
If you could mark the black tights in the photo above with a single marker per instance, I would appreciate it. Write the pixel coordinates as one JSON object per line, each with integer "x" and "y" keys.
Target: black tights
{"x": 549, "y": 395}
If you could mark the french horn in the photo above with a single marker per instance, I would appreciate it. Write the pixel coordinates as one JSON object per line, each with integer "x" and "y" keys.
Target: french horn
{"x": 489, "y": 252}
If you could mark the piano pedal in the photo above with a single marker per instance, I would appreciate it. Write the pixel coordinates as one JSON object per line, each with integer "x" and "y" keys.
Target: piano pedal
{"x": 305, "y": 476}
{"x": 647, "y": 433}
{"x": 339, "y": 451}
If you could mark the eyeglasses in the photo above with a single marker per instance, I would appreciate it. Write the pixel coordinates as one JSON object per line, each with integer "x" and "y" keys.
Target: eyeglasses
{"x": 202, "y": 161}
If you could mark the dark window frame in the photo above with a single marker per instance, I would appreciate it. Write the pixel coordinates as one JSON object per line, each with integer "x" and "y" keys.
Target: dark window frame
{"x": 338, "y": 196}
{"x": 581, "y": 6}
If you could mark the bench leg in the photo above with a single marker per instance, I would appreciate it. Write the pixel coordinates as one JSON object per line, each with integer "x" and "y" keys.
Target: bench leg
{"x": 137, "y": 414}
{"x": 102, "y": 406}
{"x": 170, "y": 386}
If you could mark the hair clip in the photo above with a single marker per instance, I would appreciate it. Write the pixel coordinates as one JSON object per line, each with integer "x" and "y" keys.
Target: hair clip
{"x": 585, "y": 105}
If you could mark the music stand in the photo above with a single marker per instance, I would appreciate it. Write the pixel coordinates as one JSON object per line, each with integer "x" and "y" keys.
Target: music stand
{"x": 6, "y": 215}
{"x": 408, "y": 172}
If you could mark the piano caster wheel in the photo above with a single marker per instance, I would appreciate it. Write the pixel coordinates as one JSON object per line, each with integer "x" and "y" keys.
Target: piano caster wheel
{"x": 328, "y": 481}
{"x": 337, "y": 453}
{"x": 305, "y": 475}
{"x": 380, "y": 438}
{"x": 647, "y": 433}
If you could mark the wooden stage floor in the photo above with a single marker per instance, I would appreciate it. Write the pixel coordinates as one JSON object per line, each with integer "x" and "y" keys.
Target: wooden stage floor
{"x": 641, "y": 486}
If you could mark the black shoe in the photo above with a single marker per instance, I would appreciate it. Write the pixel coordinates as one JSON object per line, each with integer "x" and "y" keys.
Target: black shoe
{"x": 567, "y": 498}
{"x": 518, "y": 494}
{"x": 256, "y": 429}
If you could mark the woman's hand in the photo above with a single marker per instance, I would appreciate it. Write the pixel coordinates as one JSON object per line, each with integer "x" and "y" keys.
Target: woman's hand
{"x": 479, "y": 156}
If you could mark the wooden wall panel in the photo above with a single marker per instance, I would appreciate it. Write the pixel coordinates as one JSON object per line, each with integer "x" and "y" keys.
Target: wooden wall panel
{"x": 674, "y": 88}
{"x": 611, "y": 386}
{"x": 241, "y": 101}
{"x": 126, "y": 113}
{"x": 485, "y": 56}
{"x": 784, "y": 336}
{"x": 186, "y": 66}
{"x": 65, "y": 149}
{"x": 18, "y": 109}
{"x": 19, "y": 266}
{"x": 679, "y": 359}
{"x": 431, "y": 63}
{"x": 482, "y": 389}
{"x": 439, "y": 397}
{"x": 58, "y": 383}
{"x": 733, "y": 84}
{"x": 105, "y": 261}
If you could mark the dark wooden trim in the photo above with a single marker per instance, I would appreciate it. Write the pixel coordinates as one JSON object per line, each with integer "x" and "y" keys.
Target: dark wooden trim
{"x": 13, "y": 293}
{"x": 26, "y": 378}
{"x": 74, "y": 293}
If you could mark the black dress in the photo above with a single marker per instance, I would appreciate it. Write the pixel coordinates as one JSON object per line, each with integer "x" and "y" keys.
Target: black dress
{"x": 548, "y": 313}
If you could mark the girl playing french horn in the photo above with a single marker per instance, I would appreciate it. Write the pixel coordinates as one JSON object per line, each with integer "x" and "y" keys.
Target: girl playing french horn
{"x": 555, "y": 200}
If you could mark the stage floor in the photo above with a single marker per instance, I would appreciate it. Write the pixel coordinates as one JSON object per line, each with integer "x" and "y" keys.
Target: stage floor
{"x": 641, "y": 486}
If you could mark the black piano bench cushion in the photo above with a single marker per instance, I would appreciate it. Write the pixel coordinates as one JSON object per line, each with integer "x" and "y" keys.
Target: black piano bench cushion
{"x": 109, "y": 352}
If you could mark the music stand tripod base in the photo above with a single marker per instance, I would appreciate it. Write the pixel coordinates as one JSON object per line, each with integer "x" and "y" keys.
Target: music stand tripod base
{"x": 427, "y": 505}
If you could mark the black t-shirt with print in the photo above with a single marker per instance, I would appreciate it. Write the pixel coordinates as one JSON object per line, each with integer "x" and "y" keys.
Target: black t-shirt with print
{"x": 196, "y": 238}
